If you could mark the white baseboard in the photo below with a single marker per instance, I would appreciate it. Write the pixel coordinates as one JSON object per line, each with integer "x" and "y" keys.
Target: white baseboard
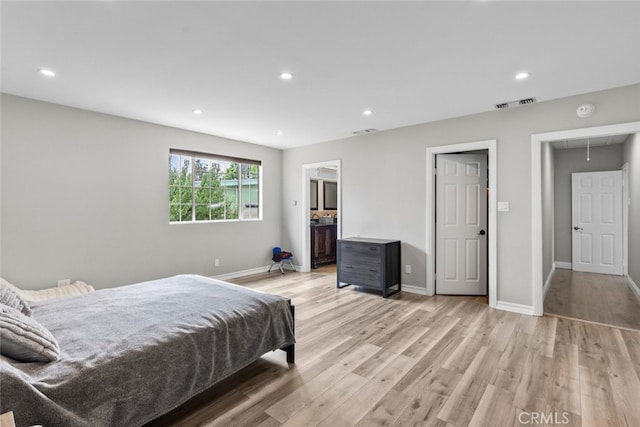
{"x": 563, "y": 265}
{"x": 414, "y": 289}
{"x": 633, "y": 286}
{"x": 251, "y": 271}
{"x": 242, "y": 273}
{"x": 547, "y": 283}
{"x": 516, "y": 308}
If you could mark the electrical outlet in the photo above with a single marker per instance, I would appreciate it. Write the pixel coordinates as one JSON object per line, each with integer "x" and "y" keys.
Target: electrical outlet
{"x": 407, "y": 268}
{"x": 64, "y": 282}
{"x": 217, "y": 262}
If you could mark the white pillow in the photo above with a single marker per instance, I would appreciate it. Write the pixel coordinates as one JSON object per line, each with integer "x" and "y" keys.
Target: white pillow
{"x": 75, "y": 288}
{"x": 24, "y": 339}
{"x": 13, "y": 299}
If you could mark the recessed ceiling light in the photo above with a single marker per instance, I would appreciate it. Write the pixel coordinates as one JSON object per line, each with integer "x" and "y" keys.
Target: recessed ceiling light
{"x": 286, "y": 75}
{"x": 521, "y": 76}
{"x": 279, "y": 133}
{"x": 196, "y": 111}
{"x": 47, "y": 72}
{"x": 367, "y": 112}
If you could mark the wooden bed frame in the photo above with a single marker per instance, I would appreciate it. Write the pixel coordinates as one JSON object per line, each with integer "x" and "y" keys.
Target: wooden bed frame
{"x": 290, "y": 349}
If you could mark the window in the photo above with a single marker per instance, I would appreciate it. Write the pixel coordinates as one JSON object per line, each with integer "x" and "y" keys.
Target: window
{"x": 206, "y": 187}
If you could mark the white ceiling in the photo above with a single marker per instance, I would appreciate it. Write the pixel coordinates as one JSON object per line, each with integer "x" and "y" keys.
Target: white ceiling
{"x": 409, "y": 62}
{"x": 592, "y": 142}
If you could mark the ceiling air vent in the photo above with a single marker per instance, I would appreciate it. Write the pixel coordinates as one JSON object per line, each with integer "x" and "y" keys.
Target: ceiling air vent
{"x": 362, "y": 132}
{"x": 524, "y": 101}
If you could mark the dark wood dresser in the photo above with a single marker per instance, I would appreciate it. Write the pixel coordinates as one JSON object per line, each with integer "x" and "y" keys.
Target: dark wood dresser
{"x": 323, "y": 244}
{"x": 371, "y": 263}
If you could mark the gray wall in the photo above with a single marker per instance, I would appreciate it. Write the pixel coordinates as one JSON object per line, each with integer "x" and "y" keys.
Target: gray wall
{"x": 384, "y": 183}
{"x": 547, "y": 187}
{"x": 567, "y": 161}
{"x": 84, "y": 196}
{"x": 631, "y": 155}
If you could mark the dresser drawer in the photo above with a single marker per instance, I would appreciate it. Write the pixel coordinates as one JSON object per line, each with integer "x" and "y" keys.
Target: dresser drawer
{"x": 357, "y": 258}
{"x": 361, "y": 249}
{"x": 361, "y": 275}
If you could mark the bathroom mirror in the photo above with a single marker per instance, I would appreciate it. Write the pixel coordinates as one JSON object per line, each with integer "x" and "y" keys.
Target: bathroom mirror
{"x": 313, "y": 195}
{"x": 330, "y": 195}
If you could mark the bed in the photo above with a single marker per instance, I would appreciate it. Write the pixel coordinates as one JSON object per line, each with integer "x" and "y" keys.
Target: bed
{"x": 130, "y": 354}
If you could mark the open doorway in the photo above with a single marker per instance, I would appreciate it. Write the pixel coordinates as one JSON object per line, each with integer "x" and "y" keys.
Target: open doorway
{"x": 431, "y": 238}
{"x": 547, "y": 256}
{"x": 586, "y": 261}
{"x": 321, "y": 206}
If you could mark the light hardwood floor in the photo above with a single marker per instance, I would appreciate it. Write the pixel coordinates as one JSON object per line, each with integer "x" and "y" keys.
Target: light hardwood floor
{"x": 599, "y": 298}
{"x": 411, "y": 360}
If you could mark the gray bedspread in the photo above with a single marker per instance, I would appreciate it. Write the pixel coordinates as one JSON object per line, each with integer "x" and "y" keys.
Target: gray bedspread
{"x": 133, "y": 353}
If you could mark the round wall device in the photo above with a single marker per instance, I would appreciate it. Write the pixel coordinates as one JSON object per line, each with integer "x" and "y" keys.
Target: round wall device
{"x": 585, "y": 110}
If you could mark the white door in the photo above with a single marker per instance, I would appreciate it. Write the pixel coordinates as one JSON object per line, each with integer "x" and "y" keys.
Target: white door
{"x": 596, "y": 211}
{"x": 461, "y": 224}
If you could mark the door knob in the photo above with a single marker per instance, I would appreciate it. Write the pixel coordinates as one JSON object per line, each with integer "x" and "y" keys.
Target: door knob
{"x": 481, "y": 233}
{"x": 577, "y": 228}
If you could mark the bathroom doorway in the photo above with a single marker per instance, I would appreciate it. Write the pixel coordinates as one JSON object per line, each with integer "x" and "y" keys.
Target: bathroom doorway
{"x": 325, "y": 209}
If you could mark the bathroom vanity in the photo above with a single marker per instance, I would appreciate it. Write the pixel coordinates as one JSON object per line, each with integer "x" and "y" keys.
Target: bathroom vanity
{"x": 323, "y": 244}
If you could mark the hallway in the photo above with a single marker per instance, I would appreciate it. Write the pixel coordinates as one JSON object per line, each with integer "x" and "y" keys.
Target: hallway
{"x": 598, "y": 298}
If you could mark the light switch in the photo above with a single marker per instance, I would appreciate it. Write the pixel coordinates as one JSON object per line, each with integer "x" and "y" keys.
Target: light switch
{"x": 503, "y": 206}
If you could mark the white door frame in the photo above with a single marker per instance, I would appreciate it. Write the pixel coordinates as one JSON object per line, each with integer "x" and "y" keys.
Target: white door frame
{"x": 489, "y": 145}
{"x": 536, "y": 194}
{"x": 305, "y": 265}
{"x": 625, "y": 219}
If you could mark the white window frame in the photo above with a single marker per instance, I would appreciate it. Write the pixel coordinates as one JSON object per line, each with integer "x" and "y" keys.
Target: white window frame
{"x": 216, "y": 157}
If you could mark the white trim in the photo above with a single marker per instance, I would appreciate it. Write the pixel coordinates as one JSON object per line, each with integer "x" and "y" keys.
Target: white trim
{"x": 491, "y": 208}
{"x": 625, "y": 219}
{"x": 515, "y": 308}
{"x": 252, "y": 271}
{"x": 563, "y": 265}
{"x": 634, "y": 287}
{"x": 304, "y": 206}
{"x": 242, "y": 273}
{"x": 547, "y": 284}
{"x": 414, "y": 289}
{"x": 536, "y": 194}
